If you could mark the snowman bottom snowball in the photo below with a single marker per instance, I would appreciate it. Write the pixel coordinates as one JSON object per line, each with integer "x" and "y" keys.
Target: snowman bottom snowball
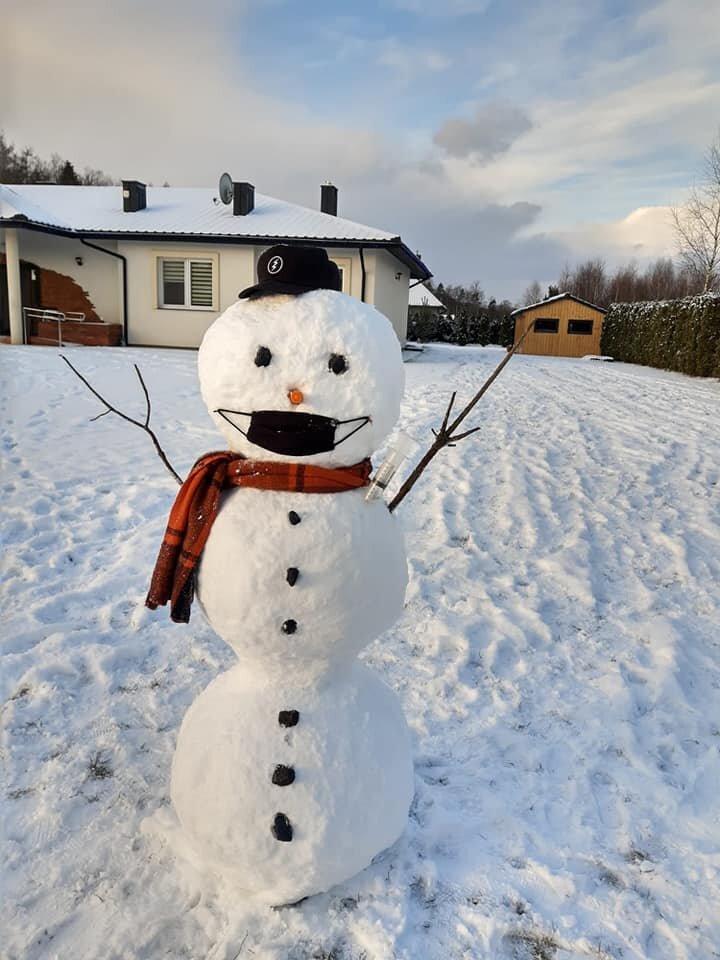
{"x": 348, "y": 751}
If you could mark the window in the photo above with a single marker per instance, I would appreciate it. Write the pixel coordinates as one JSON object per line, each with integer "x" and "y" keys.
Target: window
{"x": 185, "y": 283}
{"x": 580, "y": 326}
{"x": 547, "y": 325}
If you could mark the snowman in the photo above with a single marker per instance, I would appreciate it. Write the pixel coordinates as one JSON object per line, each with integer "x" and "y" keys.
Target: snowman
{"x": 293, "y": 768}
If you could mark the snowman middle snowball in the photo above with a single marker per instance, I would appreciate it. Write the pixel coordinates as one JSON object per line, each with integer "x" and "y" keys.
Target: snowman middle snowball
{"x": 293, "y": 769}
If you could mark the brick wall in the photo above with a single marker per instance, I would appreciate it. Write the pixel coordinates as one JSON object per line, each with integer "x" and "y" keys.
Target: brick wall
{"x": 89, "y": 334}
{"x": 60, "y": 292}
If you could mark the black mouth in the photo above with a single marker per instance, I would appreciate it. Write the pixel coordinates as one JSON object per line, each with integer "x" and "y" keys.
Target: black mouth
{"x": 292, "y": 434}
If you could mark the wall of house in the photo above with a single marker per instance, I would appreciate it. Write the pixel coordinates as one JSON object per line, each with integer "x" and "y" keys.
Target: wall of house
{"x": 96, "y": 284}
{"x": 236, "y": 268}
{"x": 562, "y": 343}
{"x": 387, "y": 288}
{"x": 152, "y": 325}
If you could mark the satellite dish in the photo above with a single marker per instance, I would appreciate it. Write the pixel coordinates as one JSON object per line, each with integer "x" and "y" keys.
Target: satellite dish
{"x": 226, "y": 188}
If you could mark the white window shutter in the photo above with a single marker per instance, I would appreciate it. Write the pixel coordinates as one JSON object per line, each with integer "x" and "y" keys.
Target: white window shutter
{"x": 173, "y": 282}
{"x": 201, "y": 283}
{"x": 173, "y": 271}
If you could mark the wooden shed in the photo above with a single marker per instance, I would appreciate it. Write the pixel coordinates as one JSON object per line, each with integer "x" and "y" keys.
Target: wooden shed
{"x": 565, "y": 326}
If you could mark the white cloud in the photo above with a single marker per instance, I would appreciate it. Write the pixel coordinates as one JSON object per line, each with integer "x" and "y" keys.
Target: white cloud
{"x": 161, "y": 92}
{"x": 644, "y": 234}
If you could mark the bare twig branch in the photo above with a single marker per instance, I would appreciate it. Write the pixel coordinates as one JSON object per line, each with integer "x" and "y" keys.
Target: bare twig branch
{"x": 147, "y": 395}
{"x": 137, "y": 423}
{"x": 446, "y": 436}
{"x": 444, "y": 423}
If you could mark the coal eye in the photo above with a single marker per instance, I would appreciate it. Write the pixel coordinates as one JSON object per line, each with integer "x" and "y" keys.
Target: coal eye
{"x": 337, "y": 363}
{"x": 263, "y": 357}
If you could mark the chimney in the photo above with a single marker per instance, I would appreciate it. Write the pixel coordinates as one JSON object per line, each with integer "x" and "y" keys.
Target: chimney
{"x": 328, "y": 199}
{"x": 243, "y": 199}
{"x": 134, "y": 196}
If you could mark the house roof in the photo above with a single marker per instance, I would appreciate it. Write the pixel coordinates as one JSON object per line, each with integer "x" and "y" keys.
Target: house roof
{"x": 559, "y": 296}
{"x": 187, "y": 212}
{"x": 420, "y": 296}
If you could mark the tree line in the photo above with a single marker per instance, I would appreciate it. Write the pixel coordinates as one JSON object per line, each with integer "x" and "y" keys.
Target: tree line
{"x": 591, "y": 280}
{"x": 25, "y": 166}
{"x": 468, "y": 317}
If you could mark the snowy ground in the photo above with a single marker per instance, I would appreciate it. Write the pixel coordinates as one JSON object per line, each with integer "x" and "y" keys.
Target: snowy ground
{"x": 558, "y": 662}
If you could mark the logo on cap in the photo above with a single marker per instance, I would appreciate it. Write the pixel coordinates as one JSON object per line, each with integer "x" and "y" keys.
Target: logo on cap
{"x": 275, "y": 265}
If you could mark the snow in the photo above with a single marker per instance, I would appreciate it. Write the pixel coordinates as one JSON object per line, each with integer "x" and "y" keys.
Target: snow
{"x": 176, "y": 210}
{"x": 557, "y": 662}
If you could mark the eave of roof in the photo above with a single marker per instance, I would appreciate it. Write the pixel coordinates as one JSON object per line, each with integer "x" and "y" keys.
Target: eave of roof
{"x": 559, "y": 296}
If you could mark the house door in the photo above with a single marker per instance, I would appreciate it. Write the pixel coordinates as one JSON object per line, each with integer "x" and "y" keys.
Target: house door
{"x": 29, "y": 292}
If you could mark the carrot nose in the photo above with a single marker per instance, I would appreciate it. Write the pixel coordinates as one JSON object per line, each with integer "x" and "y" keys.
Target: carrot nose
{"x": 295, "y": 396}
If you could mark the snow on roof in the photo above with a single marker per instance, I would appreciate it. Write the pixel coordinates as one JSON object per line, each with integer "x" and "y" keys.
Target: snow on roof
{"x": 559, "y": 296}
{"x": 175, "y": 210}
{"x": 420, "y": 296}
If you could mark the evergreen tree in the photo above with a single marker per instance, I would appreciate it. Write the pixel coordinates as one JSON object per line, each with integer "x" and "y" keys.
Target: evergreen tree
{"x": 67, "y": 176}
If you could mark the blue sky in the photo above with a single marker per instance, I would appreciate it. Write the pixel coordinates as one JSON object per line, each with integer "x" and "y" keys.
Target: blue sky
{"x": 501, "y": 139}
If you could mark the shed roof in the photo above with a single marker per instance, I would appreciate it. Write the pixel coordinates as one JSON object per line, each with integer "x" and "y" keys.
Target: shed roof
{"x": 559, "y": 296}
{"x": 187, "y": 212}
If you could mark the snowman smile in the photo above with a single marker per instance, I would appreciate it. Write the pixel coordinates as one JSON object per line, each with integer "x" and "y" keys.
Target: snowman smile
{"x": 292, "y": 434}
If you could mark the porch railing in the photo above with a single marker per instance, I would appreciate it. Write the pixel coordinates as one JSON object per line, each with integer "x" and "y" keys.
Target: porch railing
{"x": 35, "y": 314}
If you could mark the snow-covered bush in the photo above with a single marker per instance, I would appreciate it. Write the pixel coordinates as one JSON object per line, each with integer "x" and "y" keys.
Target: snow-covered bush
{"x": 682, "y": 335}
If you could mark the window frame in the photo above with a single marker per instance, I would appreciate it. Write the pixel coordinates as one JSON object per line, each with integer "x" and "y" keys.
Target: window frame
{"x": 186, "y": 260}
{"x": 345, "y": 266}
{"x": 580, "y": 333}
{"x": 555, "y": 320}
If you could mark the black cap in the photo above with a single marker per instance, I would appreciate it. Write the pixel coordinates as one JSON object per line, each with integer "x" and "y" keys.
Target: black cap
{"x": 290, "y": 269}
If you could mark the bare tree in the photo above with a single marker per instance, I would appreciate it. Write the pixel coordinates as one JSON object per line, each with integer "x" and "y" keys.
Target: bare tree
{"x": 565, "y": 280}
{"x": 533, "y": 294}
{"x": 697, "y": 223}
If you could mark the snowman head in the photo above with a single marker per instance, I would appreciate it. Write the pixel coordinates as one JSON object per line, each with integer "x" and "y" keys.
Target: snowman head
{"x": 315, "y": 378}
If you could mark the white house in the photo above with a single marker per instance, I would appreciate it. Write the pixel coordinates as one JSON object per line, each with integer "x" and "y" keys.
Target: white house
{"x": 163, "y": 262}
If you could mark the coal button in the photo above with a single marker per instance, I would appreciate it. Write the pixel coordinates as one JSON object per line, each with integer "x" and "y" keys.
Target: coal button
{"x": 288, "y": 718}
{"x": 291, "y": 576}
{"x": 283, "y": 776}
{"x": 293, "y": 517}
{"x": 282, "y": 828}
{"x": 289, "y": 626}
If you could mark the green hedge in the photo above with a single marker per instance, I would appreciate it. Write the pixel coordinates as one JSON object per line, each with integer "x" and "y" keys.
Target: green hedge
{"x": 681, "y": 335}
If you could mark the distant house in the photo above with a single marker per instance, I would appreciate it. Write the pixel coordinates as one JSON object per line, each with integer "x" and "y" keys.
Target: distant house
{"x": 158, "y": 264}
{"x": 565, "y": 326}
{"x": 422, "y": 298}
{"x": 425, "y": 313}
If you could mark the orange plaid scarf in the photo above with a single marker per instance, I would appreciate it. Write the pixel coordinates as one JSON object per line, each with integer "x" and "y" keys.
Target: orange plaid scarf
{"x": 196, "y": 505}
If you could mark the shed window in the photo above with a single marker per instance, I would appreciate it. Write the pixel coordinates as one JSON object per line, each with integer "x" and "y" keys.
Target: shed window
{"x": 547, "y": 325}
{"x": 186, "y": 283}
{"x": 580, "y": 326}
